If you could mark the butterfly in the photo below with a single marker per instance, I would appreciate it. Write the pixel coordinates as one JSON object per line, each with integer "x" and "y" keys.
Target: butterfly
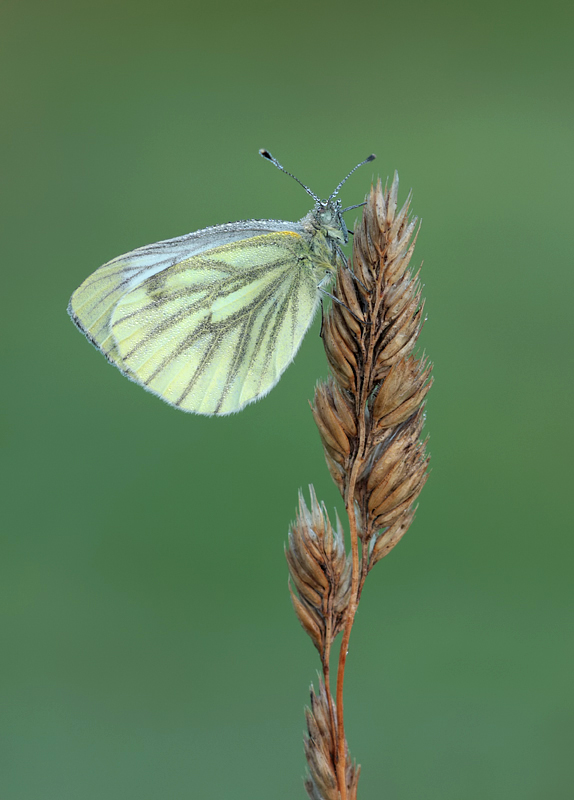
{"x": 210, "y": 321}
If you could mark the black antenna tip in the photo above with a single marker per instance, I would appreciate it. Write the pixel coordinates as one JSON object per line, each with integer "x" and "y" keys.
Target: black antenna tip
{"x": 370, "y": 158}
{"x": 265, "y": 154}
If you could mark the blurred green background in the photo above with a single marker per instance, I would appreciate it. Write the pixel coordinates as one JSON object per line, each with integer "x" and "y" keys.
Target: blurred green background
{"x": 149, "y": 649}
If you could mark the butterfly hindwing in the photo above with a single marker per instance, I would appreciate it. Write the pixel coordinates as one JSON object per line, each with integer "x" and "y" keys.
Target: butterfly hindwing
{"x": 93, "y": 302}
{"x": 215, "y": 331}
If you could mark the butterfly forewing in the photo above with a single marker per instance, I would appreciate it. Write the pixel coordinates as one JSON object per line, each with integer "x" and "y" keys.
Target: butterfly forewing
{"x": 216, "y": 331}
{"x": 92, "y": 303}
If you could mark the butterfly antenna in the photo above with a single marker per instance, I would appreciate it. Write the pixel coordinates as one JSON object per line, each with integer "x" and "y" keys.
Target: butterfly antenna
{"x": 366, "y": 161}
{"x": 266, "y": 154}
{"x": 350, "y": 208}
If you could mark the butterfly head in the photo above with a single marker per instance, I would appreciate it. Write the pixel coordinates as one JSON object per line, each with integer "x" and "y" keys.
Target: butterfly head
{"x": 327, "y": 216}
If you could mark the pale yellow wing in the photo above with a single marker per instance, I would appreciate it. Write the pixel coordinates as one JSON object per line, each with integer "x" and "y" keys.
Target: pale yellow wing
{"x": 92, "y": 303}
{"x": 216, "y": 331}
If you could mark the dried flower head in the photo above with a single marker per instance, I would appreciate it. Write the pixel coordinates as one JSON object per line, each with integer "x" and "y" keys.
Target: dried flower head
{"x": 370, "y": 415}
{"x": 320, "y": 751}
{"x": 321, "y": 572}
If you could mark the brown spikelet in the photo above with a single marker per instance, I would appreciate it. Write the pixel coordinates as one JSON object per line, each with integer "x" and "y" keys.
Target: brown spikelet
{"x": 321, "y": 572}
{"x": 320, "y": 751}
{"x": 370, "y": 415}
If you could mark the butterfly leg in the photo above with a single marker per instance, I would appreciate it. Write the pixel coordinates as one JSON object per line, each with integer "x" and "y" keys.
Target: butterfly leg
{"x": 346, "y": 263}
{"x": 340, "y": 302}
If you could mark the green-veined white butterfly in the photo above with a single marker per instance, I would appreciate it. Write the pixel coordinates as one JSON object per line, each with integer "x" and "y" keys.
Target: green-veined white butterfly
{"x": 210, "y": 321}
